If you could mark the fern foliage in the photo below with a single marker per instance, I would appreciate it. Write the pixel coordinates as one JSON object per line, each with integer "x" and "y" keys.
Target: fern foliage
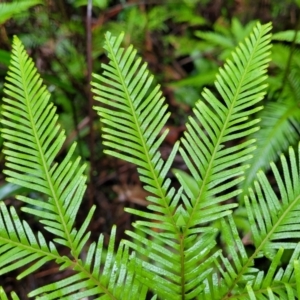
{"x": 32, "y": 140}
{"x": 279, "y": 129}
{"x": 274, "y": 226}
{"x": 183, "y": 216}
{"x": 171, "y": 252}
{"x": 280, "y": 118}
{"x": 7, "y": 10}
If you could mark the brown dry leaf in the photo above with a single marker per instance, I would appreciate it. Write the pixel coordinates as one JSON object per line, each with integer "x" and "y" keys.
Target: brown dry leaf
{"x": 132, "y": 193}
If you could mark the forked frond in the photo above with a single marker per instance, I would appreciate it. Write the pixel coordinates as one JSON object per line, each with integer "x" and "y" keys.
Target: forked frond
{"x": 135, "y": 117}
{"x": 32, "y": 140}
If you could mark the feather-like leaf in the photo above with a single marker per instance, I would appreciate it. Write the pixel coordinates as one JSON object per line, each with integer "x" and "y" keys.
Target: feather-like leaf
{"x": 32, "y": 140}
{"x": 217, "y": 122}
{"x": 20, "y": 247}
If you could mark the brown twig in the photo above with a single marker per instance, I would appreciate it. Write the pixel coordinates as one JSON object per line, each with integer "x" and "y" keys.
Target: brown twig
{"x": 90, "y": 96}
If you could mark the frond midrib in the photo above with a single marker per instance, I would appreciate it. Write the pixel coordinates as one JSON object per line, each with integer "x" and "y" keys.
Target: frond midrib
{"x": 262, "y": 244}
{"x": 212, "y": 158}
{"x": 42, "y": 157}
{"x": 32, "y": 249}
{"x": 180, "y": 237}
{"x": 141, "y": 137}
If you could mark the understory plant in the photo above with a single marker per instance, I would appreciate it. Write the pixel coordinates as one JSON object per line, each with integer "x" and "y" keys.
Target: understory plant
{"x": 186, "y": 244}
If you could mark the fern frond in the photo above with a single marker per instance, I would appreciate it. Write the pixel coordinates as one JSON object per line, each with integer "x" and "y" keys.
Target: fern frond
{"x": 3, "y": 295}
{"x": 274, "y": 225}
{"x": 9, "y": 10}
{"x": 287, "y": 36}
{"x": 225, "y": 39}
{"x": 277, "y": 133}
{"x": 278, "y": 283}
{"x": 234, "y": 270}
{"x": 216, "y": 169}
{"x": 19, "y": 246}
{"x": 115, "y": 279}
{"x": 274, "y": 219}
{"x": 135, "y": 116}
{"x": 216, "y": 39}
{"x": 238, "y": 278}
{"x": 32, "y": 140}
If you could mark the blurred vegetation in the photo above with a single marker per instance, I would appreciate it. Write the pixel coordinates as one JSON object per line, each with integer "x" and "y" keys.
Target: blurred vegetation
{"x": 184, "y": 43}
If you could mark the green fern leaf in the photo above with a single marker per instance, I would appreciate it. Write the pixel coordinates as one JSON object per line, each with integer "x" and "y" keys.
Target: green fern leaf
{"x": 274, "y": 225}
{"x": 238, "y": 278}
{"x": 287, "y": 36}
{"x": 277, "y": 133}
{"x": 8, "y": 10}
{"x": 19, "y": 246}
{"x": 32, "y": 140}
{"x": 217, "y": 169}
{"x": 3, "y": 295}
{"x": 136, "y": 116}
{"x": 274, "y": 220}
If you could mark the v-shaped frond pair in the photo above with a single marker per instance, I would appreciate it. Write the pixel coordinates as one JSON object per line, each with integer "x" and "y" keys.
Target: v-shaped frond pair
{"x": 134, "y": 116}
